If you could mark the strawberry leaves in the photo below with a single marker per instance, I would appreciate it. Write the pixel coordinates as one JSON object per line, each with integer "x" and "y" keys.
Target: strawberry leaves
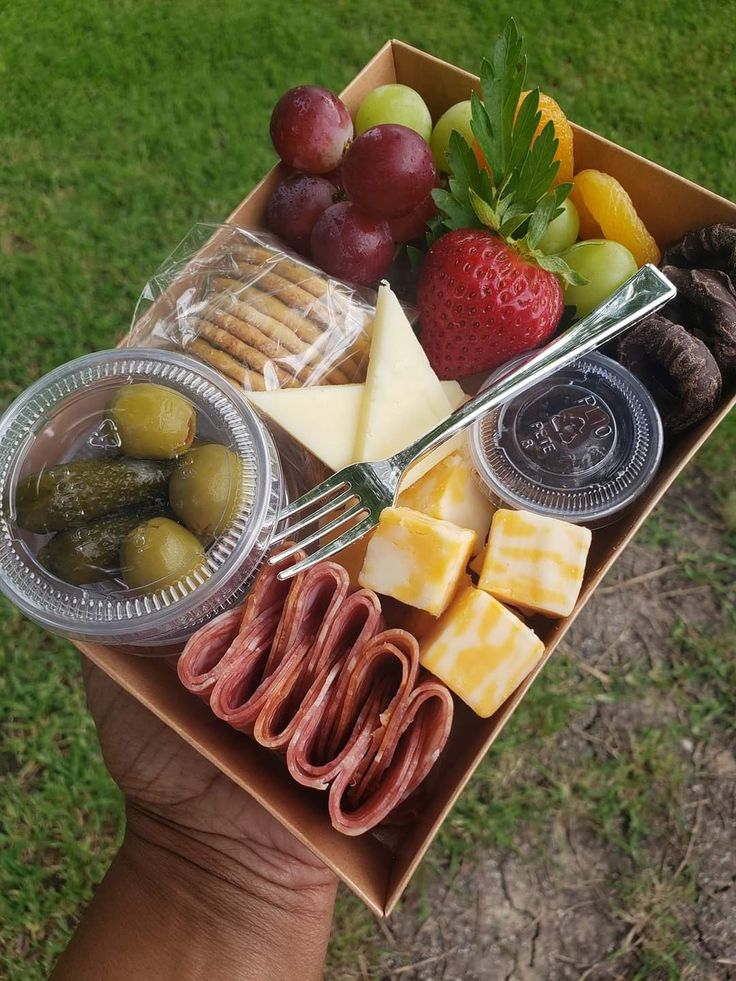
{"x": 539, "y": 220}
{"x": 484, "y": 212}
{"x": 549, "y": 206}
{"x": 466, "y": 180}
{"x": 525, "y": 127}
{"x": 557, "y": 265}
{"x": 538, "y": 168}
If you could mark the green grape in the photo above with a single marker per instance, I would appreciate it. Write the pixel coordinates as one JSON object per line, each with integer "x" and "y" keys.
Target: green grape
{"x": 394, "y": 104}
{"x": 606, "y": 265}
{"x": 562, "y": 232}
{"x": 457, "y": 117}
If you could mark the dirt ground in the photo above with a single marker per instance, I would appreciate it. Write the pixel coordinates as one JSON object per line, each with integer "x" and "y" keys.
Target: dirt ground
{"x": 511, "y": 916}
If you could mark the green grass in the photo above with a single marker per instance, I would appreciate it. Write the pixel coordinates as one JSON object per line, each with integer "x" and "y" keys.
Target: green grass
{"x": 61, "y": 813}
{"x": 121, "y": 125}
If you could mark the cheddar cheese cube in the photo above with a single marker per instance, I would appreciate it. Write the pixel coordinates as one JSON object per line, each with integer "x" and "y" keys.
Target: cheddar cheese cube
{"x": 450, "y": 492}
{"x": 535, "y": 563}
{"x": 476, "y": 563}
{"x": 419, "y": 622}
{"x": 481, "y": 650}
{"x": 416, "y": 559}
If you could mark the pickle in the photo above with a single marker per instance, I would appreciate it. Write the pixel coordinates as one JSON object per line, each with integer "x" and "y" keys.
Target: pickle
{"x": 73, "y": 494}
{"x": 90, "y": 554}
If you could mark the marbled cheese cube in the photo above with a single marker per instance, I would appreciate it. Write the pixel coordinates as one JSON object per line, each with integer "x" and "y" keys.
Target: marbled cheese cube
{"x": 481, "y": 650}
{"x": 419, "y": 622}
{"x": 450, "y": 492}
{"x": 476, "y": 563}
{"x": 416, "y": 559}
{"x": 535, "y": 563}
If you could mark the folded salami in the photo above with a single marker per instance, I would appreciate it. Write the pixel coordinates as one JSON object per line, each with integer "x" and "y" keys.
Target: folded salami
{"x": 204, "y": 661}
{"x": 307, "y": 668}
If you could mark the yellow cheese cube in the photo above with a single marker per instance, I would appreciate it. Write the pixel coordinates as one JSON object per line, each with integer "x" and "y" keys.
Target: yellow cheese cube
{"x": 416, "y": 559}
{"x": 534, "y": 562}
{"x": 419, "y": 622}
{"x": 450, "y": 492}
{"x": 481, "y": 650}
{"x": 476, "y": 564}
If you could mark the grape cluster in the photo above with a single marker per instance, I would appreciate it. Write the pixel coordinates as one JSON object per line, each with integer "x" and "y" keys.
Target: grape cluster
{"x": 352, "y": 199}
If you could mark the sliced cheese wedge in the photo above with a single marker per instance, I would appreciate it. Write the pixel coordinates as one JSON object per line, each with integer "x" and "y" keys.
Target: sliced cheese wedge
{"x": 323, "y": 418}
{"x": 404, "y": 399}
{"x": 403, "y": 396}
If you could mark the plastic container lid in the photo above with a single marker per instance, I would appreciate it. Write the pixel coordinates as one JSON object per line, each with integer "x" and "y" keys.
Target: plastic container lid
{"x": 62, "y": 418}
{"x": 580, "y": 445}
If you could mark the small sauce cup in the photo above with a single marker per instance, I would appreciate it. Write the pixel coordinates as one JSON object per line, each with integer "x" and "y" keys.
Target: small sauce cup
{"x": 580, "y": 445}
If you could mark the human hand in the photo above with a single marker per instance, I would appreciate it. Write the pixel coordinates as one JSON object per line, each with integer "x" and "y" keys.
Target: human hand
{"x": 167, "y": 783}
{"x": 234, "y": 887}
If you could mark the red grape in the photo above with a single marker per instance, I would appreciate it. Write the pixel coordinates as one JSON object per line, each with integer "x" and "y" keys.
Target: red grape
{"x": 309, "y": 129}
{"x": 409, "y": 227}
{"x": 352, "y": 245}
{"x": 388, "y": 170}
{"x": 335, "y": 177}
{"x": 295, "y": 206}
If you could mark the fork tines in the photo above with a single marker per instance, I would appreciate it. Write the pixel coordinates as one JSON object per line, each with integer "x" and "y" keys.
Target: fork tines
{"x": 333, "y": 497}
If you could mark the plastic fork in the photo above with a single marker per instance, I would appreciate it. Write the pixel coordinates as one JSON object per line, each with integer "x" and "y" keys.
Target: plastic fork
{"x": 353, "y": 498}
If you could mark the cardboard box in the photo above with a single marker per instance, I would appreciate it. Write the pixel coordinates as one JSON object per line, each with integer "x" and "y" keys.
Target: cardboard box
{"x": 376, "y": 870}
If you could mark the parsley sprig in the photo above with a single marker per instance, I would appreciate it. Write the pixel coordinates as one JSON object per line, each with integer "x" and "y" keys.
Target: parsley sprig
{"x": 514, "y": 197}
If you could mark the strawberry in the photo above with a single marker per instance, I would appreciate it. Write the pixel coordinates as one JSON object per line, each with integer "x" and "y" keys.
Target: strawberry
{"x": 482, "y": 303}
{"x": 486, "y": 292}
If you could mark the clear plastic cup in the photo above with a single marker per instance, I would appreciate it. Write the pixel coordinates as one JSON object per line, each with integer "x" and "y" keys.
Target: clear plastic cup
{"x": 581, "y": 445}
{"x": 63, "y": 418}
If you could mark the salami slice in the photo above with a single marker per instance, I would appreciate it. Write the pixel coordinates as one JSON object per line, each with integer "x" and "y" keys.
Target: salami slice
{"x": 275, "y": 666}
{"x": 268, "y": 591}
{"x": 343, "y": 635}
{"x": 367, "y": 687}
{"x": 201, "y": 661}
{"x": 426, "y": 714}
{"x": 422, "y": 734}
{"x": 384, "y": 739}
{"x": 307, "y": 669}
{"x": 204, "y": 650}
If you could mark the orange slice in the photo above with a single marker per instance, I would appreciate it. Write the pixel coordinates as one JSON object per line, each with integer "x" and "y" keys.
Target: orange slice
{"x": 606, "y": 210}
{"x": 550, "y": 111}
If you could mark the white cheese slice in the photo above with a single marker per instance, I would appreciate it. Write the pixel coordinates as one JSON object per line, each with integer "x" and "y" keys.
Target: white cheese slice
{"x": 323, "y": 418}
{"x": 403, "y": 396}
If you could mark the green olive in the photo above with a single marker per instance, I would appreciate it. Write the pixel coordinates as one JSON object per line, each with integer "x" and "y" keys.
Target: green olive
{"x": 158, "y": 553}
{"x": 204, "y": 489}
{"x": 153, "y": 422}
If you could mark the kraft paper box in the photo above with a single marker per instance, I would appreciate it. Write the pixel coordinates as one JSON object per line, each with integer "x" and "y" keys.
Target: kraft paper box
{"x": 377, "y": 869}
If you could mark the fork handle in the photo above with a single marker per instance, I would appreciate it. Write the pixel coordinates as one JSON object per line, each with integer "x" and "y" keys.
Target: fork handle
{"x": 646, "y": 291}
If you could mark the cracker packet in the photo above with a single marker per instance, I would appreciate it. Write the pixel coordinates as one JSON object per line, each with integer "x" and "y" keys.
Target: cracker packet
{"x": 259, "y": 314}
